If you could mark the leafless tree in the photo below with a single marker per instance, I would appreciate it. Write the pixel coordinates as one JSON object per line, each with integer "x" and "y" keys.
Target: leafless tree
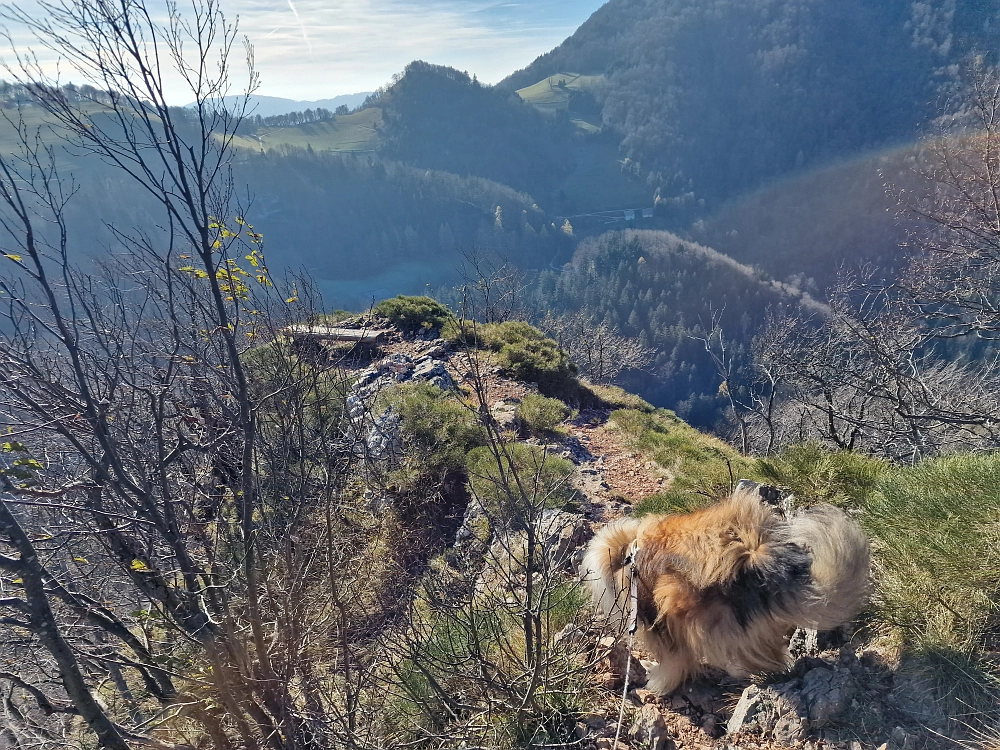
{"x": 179, "y": 559}
{"x": 751, "y": 388}
{"x": 492, "y": 286}
{"x": 870, "y": 376}
{"x": 952, "y": 277}
{"x": 908, "y": 367}
{"x": 601, "y": 352}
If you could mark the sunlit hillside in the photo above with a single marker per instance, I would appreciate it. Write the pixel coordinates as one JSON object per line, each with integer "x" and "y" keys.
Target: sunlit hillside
{"x": 355, "y": 132}
{"x": 568, "y": 92}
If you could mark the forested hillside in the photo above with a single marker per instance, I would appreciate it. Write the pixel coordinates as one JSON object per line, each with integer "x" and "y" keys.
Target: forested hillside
{"x": 670, "y": 294}
{"x": 810, "y": 227}
{"x": 440, "y": 118}
{"x": 718, "y": 97}
{"x": 710, "y": 103}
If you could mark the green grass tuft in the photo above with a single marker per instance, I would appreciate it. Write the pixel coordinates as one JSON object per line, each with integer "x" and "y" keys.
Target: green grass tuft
{"x": 611, "y": 396}
{"x": 936, "y": 532}
{"x": 541, "y": 414}
{"x": 814, "y": 474}
{"x": 703, "y": 468}
{"x": 438, "y": 429}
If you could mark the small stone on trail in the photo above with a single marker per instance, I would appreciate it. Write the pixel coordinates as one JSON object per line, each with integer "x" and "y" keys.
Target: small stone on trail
{"x": 649, "y": 729}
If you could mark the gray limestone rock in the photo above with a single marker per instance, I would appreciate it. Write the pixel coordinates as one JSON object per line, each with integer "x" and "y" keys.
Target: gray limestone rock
{"x": 434, "y": 372}
{"x": 505, "y": 414}
{"x": 562, "y": 533}
{"x": 776, "y": 711}
{"x": 649, "y": 730}
{"x": 786, "y": 712}
{"x": 827, "y": 693}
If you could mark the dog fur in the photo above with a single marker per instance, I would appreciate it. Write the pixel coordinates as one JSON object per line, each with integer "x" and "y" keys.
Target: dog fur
{"x": 725, "y": 586}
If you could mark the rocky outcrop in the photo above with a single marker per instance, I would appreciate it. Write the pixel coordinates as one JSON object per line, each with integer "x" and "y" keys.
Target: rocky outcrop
{"x": 504, "y": 413}
{"x": 561, "y": 536}
{"x": 377, "y": 437}
{"x": 786, "y": 712}
{"x": 776, "y": 711}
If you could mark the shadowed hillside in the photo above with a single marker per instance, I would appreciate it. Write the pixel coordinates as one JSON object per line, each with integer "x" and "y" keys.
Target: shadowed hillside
{"x": 440, "y": 118}
{"x": 807, "y": 228}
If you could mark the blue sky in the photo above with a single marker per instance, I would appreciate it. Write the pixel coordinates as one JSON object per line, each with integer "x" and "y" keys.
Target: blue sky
{"x": 310, "y": 49}
{"x": 314, "y": 49}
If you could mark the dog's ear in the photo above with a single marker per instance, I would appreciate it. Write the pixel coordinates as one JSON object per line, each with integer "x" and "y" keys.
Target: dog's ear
{"x": 769, "y": 494}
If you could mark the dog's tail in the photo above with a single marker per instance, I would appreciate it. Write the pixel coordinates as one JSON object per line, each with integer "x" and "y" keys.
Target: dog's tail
{"x": 840, "y": 566}
{"x": 603, "y": 565}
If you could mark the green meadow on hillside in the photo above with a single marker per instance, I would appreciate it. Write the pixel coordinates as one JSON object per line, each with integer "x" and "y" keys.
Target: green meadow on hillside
{"x": 567, "y": 92}
{"x": 356, "y": 132}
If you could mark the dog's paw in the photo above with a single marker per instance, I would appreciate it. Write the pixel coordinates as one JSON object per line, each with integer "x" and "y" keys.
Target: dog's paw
{"x": 662, "y": 680}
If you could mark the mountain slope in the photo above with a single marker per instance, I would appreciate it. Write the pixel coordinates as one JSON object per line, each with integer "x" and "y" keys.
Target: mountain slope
{"x": 808, "y": 227}
{"x": 718, "y": 97}
{"x": 439, "y": 118}
{"x": 667, "y": 292}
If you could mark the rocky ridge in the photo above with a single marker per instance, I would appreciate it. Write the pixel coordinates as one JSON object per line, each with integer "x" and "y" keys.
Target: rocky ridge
{"x": 838, "y": 695}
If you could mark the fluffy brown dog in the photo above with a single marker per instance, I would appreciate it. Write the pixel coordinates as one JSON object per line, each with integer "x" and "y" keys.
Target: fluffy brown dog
{"x": 724, "y": 586}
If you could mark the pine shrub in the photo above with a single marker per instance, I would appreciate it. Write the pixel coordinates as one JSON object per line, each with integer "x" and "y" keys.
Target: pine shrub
{"x": 412, "y": 314}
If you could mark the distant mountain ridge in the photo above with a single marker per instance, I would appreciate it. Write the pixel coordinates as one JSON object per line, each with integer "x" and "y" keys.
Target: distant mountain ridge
{"x": 269, "y": 106}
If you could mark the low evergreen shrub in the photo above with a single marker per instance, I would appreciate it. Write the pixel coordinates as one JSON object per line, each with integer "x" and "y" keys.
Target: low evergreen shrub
{"x": 437, "y": 428}
{"x": 412, "y": 314}
{"x": 541, "y": 414}
{"x": 526, "y": 354}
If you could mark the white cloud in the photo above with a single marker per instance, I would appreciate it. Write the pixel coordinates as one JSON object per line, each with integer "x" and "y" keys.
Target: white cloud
{"x": 356, "y": 45}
